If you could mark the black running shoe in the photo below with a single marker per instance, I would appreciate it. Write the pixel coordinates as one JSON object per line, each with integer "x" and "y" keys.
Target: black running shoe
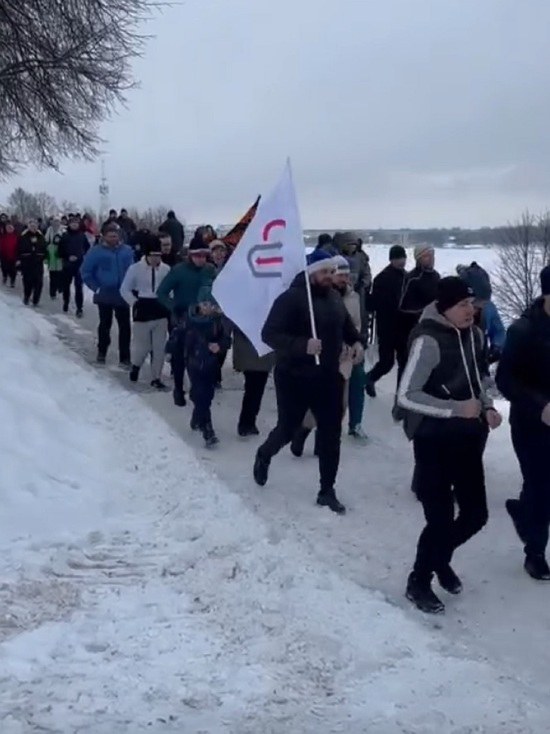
{"x": 261, "y": 470}
{"x": 537, "y": 568}
{"x": 449, "y": 581}
{"x": 330, "y": 500}
{"x": 423, "y": 597}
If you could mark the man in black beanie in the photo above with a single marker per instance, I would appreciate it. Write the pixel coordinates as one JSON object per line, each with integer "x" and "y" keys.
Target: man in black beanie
{"x": 523, "y": 377}
{"x": 447, "y": 416}
{"x": 387, "y": 288}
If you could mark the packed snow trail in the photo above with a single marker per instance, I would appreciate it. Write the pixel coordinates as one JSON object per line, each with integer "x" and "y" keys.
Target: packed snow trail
{"x": 140, "y": 594}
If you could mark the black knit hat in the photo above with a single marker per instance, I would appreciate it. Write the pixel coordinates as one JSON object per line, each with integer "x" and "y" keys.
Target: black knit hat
{"x": 152, "y": 245}
{"x": 450, "y": 291}
{"x": 545, "y": 281}
{"x": 397, "y": 252}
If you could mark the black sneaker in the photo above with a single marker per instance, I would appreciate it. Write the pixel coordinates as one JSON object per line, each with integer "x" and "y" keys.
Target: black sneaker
{"x": 101, "y": 358}
{"x": 370, "y": 387}
{"x": 65, "y": 308}
{"x": 209, "y": 435}
{"x": 179, "y": 398}
{"x": 158, "y": 385}
{"x": 134, "y": 374}
{"x": 26, "y": 301}
{"x": 537, "y": 568}
{"x": 125, "y": 364}
{"x": 423, "y": 597}
{"x": 245, "y": 431}
{"x": 194, "y": 424}
{"x": 261, "y": 470}
{"x": 79, "y": 314}
{"x": 330, "y": 500}
{"x": 513, "y": 508}
{"x": 299, "y": 441}
{"x": 449, "y": 581}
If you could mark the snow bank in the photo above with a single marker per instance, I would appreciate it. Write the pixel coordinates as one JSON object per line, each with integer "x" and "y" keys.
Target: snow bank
{"x": 139, "y": 594}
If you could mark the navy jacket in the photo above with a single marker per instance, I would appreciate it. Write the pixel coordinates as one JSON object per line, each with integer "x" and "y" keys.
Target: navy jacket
{"x": 523, "y": 374}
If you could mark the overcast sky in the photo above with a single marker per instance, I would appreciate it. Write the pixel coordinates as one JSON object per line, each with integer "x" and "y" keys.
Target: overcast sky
{"x": 394, "y": 112}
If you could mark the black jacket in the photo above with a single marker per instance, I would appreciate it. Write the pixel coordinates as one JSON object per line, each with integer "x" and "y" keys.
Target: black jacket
{"x": 444, "y": 368}
{"x": 387, "y": 288}
{"x": 31, "y": 249}
{"x": 175, "y": 229}
{"x": 523, "y": 374}
{"x": 73, "y": 244}
{"x": 419, "y": 290}
{"x": 288, "y": 328}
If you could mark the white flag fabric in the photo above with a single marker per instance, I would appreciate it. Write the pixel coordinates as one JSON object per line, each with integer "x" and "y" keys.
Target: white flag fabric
{"x": 269, "y": 256}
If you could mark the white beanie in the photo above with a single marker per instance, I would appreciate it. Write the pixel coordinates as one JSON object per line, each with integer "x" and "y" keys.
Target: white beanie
{"x": 341, "y": 264}
{"x": 420, "y": 250}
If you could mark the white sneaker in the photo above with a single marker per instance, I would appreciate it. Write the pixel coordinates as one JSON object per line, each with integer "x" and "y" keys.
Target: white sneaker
{"x": 358, "y": 433}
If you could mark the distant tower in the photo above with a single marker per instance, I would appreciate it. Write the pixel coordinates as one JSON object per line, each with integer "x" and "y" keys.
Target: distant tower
{"x": 103, "y": 194}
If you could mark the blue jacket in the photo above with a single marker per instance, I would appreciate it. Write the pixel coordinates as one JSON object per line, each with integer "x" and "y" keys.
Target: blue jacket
{"x": 103, "y": 271}
{"x": 492, "y": 326}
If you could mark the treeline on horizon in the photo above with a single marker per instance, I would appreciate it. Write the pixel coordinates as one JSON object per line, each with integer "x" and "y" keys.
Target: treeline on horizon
{"x": 436, "y": 237}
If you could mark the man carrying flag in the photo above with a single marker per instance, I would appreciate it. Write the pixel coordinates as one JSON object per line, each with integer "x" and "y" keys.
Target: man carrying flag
{"x": 264, "y": 291}
{"x": 307, "y": 372}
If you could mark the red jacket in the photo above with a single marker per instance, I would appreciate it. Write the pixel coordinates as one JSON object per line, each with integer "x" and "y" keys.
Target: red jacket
{"x": 8, "y": 246}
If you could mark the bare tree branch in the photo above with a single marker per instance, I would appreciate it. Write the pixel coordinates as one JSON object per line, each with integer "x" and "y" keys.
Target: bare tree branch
{"x": 64, "y": 66}
{"x": 524, "y": 250}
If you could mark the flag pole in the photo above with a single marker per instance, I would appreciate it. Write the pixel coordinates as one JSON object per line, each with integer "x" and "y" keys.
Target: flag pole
{"x": 308, "y": 284}
{"x": 311, "y": 314}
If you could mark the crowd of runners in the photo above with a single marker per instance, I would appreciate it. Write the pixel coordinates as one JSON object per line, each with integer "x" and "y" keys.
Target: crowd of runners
{"x": 444, "y": 334}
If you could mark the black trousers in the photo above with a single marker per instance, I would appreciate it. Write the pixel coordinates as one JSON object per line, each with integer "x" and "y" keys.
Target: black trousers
{"x": 532, "y": 447}
{"x": 9, "y": 270}
{"x": 201, "y": 394}
{"x": 254, "y": 388}
{"x": 222, "y": 356}
{"x": 33, "y": 282}
{"x": 56, "y": 282}
{"x": 323, "y": 395}
{"x": 71, "y": 274}
{"x": 176, "y": 348}
{"x": 390, "y": 349}
{"x": 448, "y": 468}
{"x": 122, "y": 316}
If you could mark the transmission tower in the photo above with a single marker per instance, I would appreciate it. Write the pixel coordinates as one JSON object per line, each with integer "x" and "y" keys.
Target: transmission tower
{"x": 103, "y": 193}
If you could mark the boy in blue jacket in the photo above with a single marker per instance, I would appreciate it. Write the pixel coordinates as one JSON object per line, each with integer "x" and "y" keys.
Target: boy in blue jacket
{"x": 103, "y": 271}
{"x": 205, "y": 339}
{"x": 487, "y": 316}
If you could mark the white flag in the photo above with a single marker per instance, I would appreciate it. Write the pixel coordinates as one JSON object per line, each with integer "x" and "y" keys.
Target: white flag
{"x": 269, "y": 256}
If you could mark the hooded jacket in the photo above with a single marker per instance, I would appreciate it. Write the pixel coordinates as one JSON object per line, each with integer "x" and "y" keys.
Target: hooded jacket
{"x": 103, "y": 271}
{"x": 287, "y": 328}
{"x": 523, "y": 374}
{"x": 444, "y": 368}
{"x": 139, "y": 290}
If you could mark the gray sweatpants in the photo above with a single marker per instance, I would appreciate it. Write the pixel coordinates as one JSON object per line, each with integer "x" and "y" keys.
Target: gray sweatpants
{"x": 149, "y": 337}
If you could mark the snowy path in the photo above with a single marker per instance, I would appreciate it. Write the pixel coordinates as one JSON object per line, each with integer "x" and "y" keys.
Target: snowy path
{"x": 158, "y": 601}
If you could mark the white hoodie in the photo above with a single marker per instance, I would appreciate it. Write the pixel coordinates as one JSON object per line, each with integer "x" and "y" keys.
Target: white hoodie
{"x": 142, "y": 279}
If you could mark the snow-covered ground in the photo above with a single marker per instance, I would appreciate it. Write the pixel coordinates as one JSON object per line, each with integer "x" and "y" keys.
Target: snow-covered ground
{"x": 149, "y": 585}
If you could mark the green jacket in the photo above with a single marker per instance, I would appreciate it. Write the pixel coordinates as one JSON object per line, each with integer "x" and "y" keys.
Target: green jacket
{"x": 180, "y": 288}
{"x": 54, "y": 263}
